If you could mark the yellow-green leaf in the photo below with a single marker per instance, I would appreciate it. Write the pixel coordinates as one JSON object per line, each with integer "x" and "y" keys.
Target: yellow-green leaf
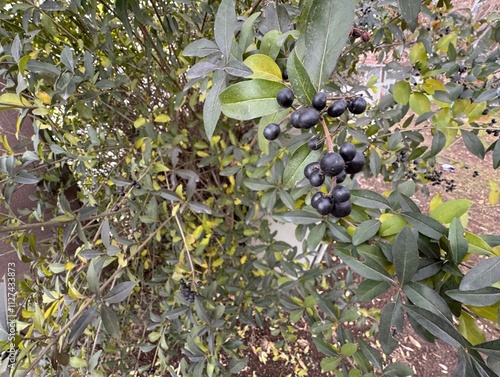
{"x": 494, "y": 192}
{"x": 162, "y": 118}
{"x": 470, "y": 330}
{"x": 401, "y": 93}
{"x": 444, "y": 43}
{"x": 418, "y": 55}
{"x": 420, "y": 103}
{"x": 447, "y": 211}
{"x": 263, "y": 67}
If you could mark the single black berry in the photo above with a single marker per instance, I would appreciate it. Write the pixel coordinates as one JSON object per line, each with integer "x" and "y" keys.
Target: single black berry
{"x": 272, "y": 131}
{"x": 285, "y": 75}
{"x": 316, "y": 178}
{"x": 337, "y": 108}
{"x": 341, "y": 194}
{"x": 138, "y": 186}
{"x": 486, "y": 111}
{"x": 324, "y": 205}
{"x": 315, "y": 143}
{"x": 342, "y": 209}
{"x": 332, "y": 164}
{"x": 341, "y": 176}
{"x": 294, "y": 119}
{"x": 347, "y": 151}
{"x": 285, "y": 97}
{"x": 493, "y": 121}
{"x": 316, "y": 197}
{"x": 313, "y": 166}
{"x": 319, "y": 101}
{"x": 356, "y": 164}
{"x": 357, "y": 105}
{"x": 308, "y": 118}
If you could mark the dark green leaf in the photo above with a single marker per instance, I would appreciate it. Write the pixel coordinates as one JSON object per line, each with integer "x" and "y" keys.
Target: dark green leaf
{"x": 328, "y": 25}
{"x": 200, "y": 208}
{"x": 370, "y": 353}
{"x": 366, "y": 230}
{"x": 426, "y": 225}
{"x": 250, "y": 99}
{"x": 212, "y": 106}
{"x": 496, "y": 155}
{"x": 176, "y": 313}
{"x": 42, "y": 67}
{"x": 405, "y": 255}
{"x": 300, "y": 80}
{"x": 329, "y": 364}
{"x": 201, "y": 48}
{"x": 390, "y": 316}
{"x": 201, "y": 311}
{"x": 122, "y": 13}
{"x": 424, "y": 297}
{"x": 294, "y": 169}
{"x": 368, "y": 199}
{"x": 369, "y": 289}
{"x": 367, "y": 271}
{"x": 225, "y": 20}
{"x": 482, "y": 275}
{"x": 119, "y": 292}
{"x": 258, "y": 184}
{"x": 299, "y": 217}
{"x": 458, "y": 243}
{"x": 200, "y": 70}
{"x": 246, "y": 34}
{"x": 26, "y": 178}
{"x": 67, "y": 58}
{"x": 237, "y": 69}
{"x": 436, "y": 325}
{"x": 81, "y": 323}
{"x": 487, "y": 95}
{"x": 410, "y": 10}
{"x": 237, "y": 365}
{"x": 491, "y": 348}
{"x": 473, "y": 144}
{"x": 438, "y": 143}
{"x": 478, "y": 297}
{"x": 110, "y": 321}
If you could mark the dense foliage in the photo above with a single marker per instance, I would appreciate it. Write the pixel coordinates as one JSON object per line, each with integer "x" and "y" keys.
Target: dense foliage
{"x": 157, "y": 109}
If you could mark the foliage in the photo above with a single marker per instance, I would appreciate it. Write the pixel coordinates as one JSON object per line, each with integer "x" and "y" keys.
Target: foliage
{"x": 157, "y": 109}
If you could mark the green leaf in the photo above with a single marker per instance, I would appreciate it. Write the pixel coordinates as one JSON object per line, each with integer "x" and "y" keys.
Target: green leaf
{"x": 470, "y": 330}
{"x": 237, "y": 365}
{"x": 446, "y": 212}
{"x": 369, "y": 289}
{"x": 250, "y": 99}
{"x": 424, "y": 297}
{"x": 327, "y": 29}
{"x": 391, "y": 224}
{"x": 246, "y": 34}
{"x": 436, "y": 325}
{"x": 176, "y": 313}
{"x": 496, "y": 155}
{"x": 201, "y": 48}
{"x": 419, "y": 103}
{"x": 491, "y": 348}
{"x": 391, "y": 318}
{"x": 438, "y": 143}
{"x": 473, "y": 144}
{"x": 294, "y": 169}
{"x": 405, "y": 255}
{"x": 299, "y": 217}
{"x": 300, "y": 80}
{"x": 110, "y": 321}
{"x": 418, "y": 54}
{"x": 201, "y": 311}
{"x": 401, "y": 92}
{"x": 366, "y": 230}
{"x": 81, "y": 323}
{"x": 329, "y": 364}
{"x": 410, "y": 10}
{"x": 398, "y": 369}
{"x": 68, "y": 59}
{"x": 10, "y": 100}
{"x": 458, "y": 243}
{"x": 212, "y": 106}
{"x": 477, "y": 245}
{"x": 225, "y": 20}
{"x": 482, "y": 275}
{"x": 122, "y": 13}
{"x": 370, "y": 353}
{"x": 368, "y": 199}
{"x": 367, "y": 271}
{"x": 425, "y": 225}
{"x": 263, "y": 67}
{"x": 119, "y": 292}
{"x": 348, "y": 349}
{"x": 269, "y": 45}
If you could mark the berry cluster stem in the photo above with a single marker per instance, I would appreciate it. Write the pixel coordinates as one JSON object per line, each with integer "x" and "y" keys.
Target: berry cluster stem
{"x": 328, "y": 137}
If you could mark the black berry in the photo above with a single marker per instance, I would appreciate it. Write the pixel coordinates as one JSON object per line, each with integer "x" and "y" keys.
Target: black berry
{"x": 316, "y": 178}
{"x": 294, "y": 119}
{"x": 285, "y": 97}
{"x": 313, "y": 166}
{"x": 337, "y": 108}
{"x": 347, "y": 151}
{"x": 315, "y": 143}
{"x": 341, "y": 176}
{"x": 341, "y": 209}
{"x": 319, "y": 101}
{"x": 356, "y": 164}
{"x": 316, "y": 197}
{"x": 357, "y": 105}
{"x": 332, "y": 164}
{"x": 341, "y": 194}
{"x": 272, "y": 131}
{"x": 308, "y": 118}
{"x": 285, "y": 75}
{"x": 324, "y": 205}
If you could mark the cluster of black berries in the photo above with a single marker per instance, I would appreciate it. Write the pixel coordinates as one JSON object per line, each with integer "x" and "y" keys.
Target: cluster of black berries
{"x": 475, "y": 174}
{"x": 335, "y": 165}
{"x": 187, "y": 293}
{"x": 348, "y": 160}
{"x": 494, "y": 132}
{"x": 437, "y": 180}
{"x": 308, "y": 117}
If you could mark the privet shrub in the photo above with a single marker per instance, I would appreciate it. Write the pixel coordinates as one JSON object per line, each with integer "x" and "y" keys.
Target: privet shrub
{"x": 188, "y": 126}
